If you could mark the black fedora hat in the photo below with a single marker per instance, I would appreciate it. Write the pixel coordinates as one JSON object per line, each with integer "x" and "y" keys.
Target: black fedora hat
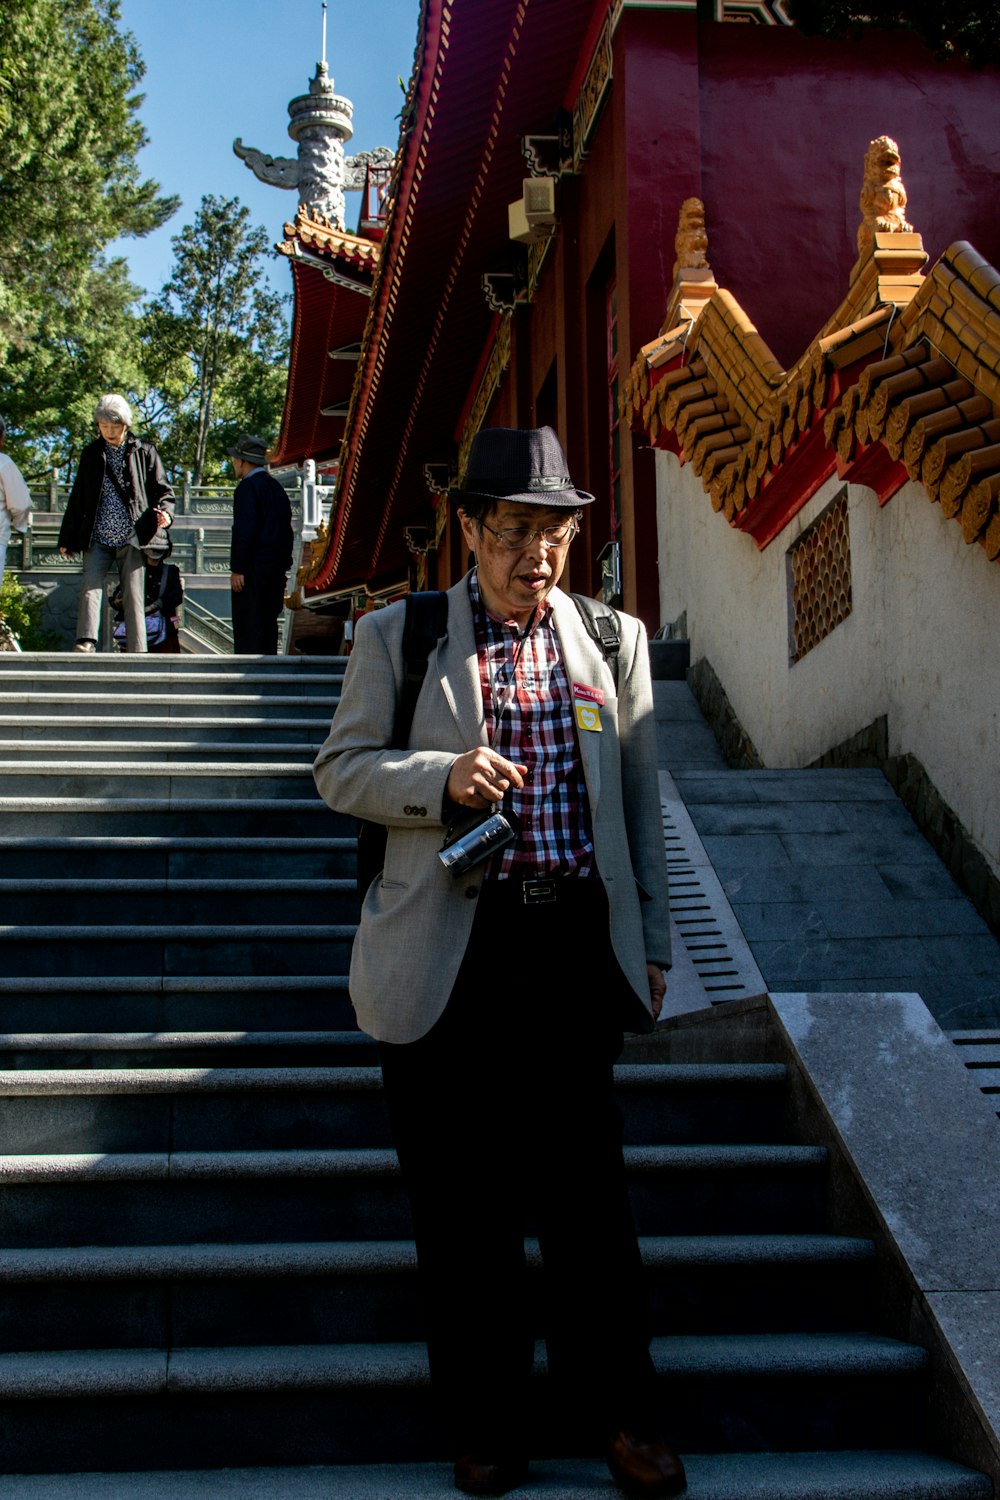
{"x": 253, "y": 450}
{"x": 525, "y": 464}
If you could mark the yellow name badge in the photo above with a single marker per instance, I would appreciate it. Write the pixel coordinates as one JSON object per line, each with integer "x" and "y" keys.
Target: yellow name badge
{"x": 588, "y": 716}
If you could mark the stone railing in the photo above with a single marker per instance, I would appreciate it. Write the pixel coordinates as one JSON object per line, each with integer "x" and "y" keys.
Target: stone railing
{"x": 200, "y": 532}
{"x": 200, "y": 545}
{"x": 191, "y": 499}
{"x": 211, "y": 633}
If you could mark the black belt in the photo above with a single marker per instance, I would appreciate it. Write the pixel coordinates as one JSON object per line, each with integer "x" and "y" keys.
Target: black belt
{"x": 540, "y": 890}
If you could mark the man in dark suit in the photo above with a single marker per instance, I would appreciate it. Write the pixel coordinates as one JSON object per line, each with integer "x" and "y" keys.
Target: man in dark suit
{"x": 499, "y": 991}
{"x": 261, "y": 551}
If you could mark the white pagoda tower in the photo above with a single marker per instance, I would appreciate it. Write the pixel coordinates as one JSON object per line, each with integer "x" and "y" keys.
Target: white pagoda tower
{"x": 320, "y": 125}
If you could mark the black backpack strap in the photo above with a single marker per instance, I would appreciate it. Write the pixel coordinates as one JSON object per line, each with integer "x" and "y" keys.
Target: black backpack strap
{"x": 425, "y": 623}
{"x": 603, "y": 626}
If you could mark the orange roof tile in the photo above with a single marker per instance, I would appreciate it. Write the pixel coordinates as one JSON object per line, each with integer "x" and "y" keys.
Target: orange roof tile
{"x": 321, "y": 235}
{"x": 908, "y": 362}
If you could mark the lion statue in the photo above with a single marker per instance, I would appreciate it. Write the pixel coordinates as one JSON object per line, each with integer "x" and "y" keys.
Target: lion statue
{"x": 883, "y": 196}
{"x": 691, "y": 240}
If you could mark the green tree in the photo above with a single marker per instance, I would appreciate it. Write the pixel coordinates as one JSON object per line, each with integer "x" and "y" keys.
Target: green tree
{"x": 21, "y": 608}
{"x": 83, "y": 344}
{"x": 970, "y": 30}
{"x": 69, "y": 140}
{"x": 69, "y": 185}
{"x": 215, "y": 341}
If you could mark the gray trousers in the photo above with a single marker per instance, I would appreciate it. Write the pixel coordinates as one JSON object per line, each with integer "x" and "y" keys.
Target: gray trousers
{"x": 97, "y": 562}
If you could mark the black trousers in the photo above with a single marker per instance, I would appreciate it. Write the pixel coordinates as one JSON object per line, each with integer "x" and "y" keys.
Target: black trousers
{"x": 504, "y": 1119}
{"x": 255, "y": 611}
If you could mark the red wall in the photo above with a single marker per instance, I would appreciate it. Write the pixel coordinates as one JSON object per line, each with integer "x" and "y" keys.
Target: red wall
{"x": 785, "y": 123}
{"x": 770, "y": 129}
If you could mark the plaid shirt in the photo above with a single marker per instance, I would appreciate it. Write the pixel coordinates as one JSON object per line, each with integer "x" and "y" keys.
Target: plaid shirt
{"x": 537, "y": 730}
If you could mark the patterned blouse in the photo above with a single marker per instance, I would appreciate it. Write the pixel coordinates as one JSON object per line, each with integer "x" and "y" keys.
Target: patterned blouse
{"x": 114, "y": 525}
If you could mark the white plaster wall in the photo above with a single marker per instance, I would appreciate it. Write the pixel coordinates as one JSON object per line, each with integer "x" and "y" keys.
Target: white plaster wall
{"x": 922, "y": 644}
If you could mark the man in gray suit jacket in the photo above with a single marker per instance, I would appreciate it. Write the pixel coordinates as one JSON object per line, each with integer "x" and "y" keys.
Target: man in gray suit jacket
{"x": 499, "y": 987}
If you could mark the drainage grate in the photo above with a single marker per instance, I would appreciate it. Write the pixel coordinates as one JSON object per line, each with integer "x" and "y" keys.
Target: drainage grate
{"x": 980, "y": 1052}
{"x": 702, "y": 916}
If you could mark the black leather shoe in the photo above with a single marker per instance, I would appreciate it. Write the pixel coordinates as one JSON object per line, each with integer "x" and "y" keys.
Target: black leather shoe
{"x": 488, "y": 1476}
{"x": 645, "y": 1465}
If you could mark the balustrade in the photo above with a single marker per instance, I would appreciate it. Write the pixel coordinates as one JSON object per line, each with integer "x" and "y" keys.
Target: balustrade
{"x": 200, "y": 532}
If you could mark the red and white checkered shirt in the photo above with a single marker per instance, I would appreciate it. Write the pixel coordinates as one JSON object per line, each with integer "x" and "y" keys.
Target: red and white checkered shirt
{"x": 537, "y": 730}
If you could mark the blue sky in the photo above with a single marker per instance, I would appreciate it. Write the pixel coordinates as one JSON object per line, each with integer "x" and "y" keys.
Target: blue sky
{"x": 218, "y": 69}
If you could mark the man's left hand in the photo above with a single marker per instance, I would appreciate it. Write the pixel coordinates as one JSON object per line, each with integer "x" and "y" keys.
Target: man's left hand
{"x": 657, "y": 988}
{"x": 236, "y": 582}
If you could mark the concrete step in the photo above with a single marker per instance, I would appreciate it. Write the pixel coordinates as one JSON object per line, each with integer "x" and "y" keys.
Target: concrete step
{"x": 174, "y": 1002}
{"x": 186, "y": 1049}
{"x": 708, "y": 1103}
{"x": 43, "y": 729}
{"x": 175, "y": 900}
{"x": 156, "y": 948}
{"x": 149, "y": 778}
{"x": 98, "y": 666}
{"x": 669, "y": 660}
{"x": 178, "y": 815}
{"x": 156, "y": 702}
{"x": 744, "y": 1189}
{"x": 315, "y": 1404}
{"x": 843, "y": 1475}
{"x": 203, "y": 1295}
{"x": 167, "y": 748}
{"x": 155, "y": 857}
{"x": 165, "y": 1108}
{"x": 158, "y": 1109}
{"x": 123, "y": 676}
{"x": 185, "y": 1197}
{"x": 174, "y": 1197}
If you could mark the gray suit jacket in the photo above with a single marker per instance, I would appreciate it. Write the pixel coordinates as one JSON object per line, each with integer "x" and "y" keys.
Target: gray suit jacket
{"x": 416, "y": 921}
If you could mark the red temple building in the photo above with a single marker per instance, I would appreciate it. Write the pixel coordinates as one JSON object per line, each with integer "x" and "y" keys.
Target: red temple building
{"x": 685, "y": 244}
{"x": 617, "y": 113}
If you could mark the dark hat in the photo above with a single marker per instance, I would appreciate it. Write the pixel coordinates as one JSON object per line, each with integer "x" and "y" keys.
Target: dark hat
{"x": 253, "y": 450}
{"x": 158, "y": 551}
{"x": 526, "y": 464}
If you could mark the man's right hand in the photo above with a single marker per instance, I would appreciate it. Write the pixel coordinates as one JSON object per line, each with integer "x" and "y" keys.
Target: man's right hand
{"x": 480, "y": 777}
{"x": 236, "y": 582}
{"x": 65, "y": 552}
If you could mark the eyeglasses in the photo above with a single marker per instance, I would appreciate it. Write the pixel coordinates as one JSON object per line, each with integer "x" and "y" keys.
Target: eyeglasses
{"x": 516, "y": 538}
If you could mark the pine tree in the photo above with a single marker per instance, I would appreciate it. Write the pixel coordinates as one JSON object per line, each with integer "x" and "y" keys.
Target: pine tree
{"x": 69, "y": 186}
{"x": 970, "y": 30}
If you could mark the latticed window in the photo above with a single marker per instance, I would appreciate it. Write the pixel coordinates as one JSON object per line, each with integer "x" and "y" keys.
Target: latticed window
{"x": 819, "y": 573}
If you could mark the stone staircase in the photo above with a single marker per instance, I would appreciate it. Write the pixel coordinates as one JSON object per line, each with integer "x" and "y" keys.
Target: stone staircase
{"x": 206, "y": 1276}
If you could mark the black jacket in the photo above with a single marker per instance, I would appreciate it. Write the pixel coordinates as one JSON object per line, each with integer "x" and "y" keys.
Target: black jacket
{"x": 262, "y": 526}
{"x": 151, "y": 490}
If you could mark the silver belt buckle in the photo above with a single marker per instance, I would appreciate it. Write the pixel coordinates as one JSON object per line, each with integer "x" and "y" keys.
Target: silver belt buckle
{"x": 538, "y": 892}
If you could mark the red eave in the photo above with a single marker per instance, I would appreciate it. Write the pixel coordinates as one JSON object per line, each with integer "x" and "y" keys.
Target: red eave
{"x": 327, "y": 316}
{"x": 486, "y": 75}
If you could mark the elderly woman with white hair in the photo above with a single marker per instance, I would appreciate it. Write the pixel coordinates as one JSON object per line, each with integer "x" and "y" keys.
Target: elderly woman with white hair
{"x": 120, "y": 498}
